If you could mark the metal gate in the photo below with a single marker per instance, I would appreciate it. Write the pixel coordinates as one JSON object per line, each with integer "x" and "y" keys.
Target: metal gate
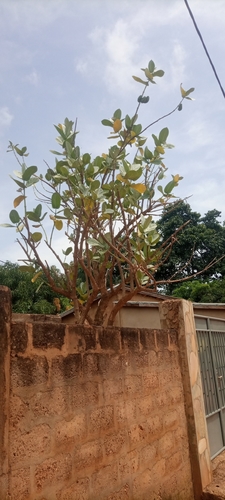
{"x": 211, "y": 346}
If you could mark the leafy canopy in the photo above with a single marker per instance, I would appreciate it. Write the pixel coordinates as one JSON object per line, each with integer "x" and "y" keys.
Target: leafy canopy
{"x": 200, "y": 247}
{"x": 105, "y": 207}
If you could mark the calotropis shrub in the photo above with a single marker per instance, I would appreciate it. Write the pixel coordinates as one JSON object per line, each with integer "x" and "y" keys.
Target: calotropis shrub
{"x": 105, "y": 207}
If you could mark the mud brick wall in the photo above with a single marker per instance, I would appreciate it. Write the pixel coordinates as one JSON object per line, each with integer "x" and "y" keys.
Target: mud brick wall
{"x": 96, "y": 414}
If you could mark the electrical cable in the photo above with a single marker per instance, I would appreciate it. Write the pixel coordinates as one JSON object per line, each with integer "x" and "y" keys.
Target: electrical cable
{"x": 205, "y": 48}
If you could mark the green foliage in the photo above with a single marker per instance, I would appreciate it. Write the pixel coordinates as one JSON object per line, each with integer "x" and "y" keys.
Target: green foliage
{"x": 104, "y": 206}
{"x": 201, "y": 242}
{"x": 27, "y": 296}
{"x": 200, "y": 291}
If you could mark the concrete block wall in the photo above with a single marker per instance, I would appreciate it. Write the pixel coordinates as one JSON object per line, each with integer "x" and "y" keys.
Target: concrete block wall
{"x": 93, "y": 414}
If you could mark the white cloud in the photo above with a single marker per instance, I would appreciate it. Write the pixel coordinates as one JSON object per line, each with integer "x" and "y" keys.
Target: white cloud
{"x": 127, "y": 45}
{"x": 32, "y": 78}
{"x": 5, "y": 118}
{"x": 119, "y": 45}
{"x": 82, "y": 66}
{"x": 198, "y": 133}
{"x": 30, "y": 17}
{"x": 177, "y": 65}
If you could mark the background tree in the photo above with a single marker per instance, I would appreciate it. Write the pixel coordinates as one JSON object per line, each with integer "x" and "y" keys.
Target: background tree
{"x": 200, "y": 242}
{"x": 106, "y": 207}
{"x": 28, "y": 296}
{"x": 202, "y": 291}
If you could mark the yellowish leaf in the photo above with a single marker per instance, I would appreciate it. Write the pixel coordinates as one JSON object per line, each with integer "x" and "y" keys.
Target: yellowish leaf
{"x": 117, "y": 125}
{"x": 183, "y": 92}
{"x": 121, "y": 178}
{"x": 88, "y": 205}
{"x": 131, "y": 137}
{"x": 36, "y": 276}
{"x": 57, "y": 304}
{"x": 160, "y": 149}
{"x": 141, "y": 188}
{"x": 176, "y": 178}
{"x": 18, "y": 200}
{"x": 148, "y": 74}
{"x": 58, "y": 223}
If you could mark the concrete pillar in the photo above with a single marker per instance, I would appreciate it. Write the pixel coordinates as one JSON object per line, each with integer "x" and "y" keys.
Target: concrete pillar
{"x": 178, "y": 314}
{"x": 5, "y": 322}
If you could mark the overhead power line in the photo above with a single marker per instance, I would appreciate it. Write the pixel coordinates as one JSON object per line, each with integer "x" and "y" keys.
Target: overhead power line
{"x": 205, "y": 48}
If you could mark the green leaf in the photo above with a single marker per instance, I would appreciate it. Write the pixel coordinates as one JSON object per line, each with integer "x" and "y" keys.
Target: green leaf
{"x": 28, "y": 173}
{"x": 160, "y": 188}
{"x": 163, "y": 135}
{"x": 137, "y": 129}
{"x": 6, "y": 225}
{"x": 151, "y": 66}
{"x": 161, "y": 175}
{"x": 98, "y": 161}
{"x": 95, "y": 185}
{"x": 159, "y": 73}
{"x": 77, "y": 152}
{"x": 86, "y": 158}
{"x": 55, "y": 152}
{"x": 156, "y": 140}
{"x": 27, "y": 269}
{"x": 56, "y": 200}
{"x": 24, "y": 149}
{"x": 128, "y": 122}
{"x": 38, "y": 210}
{"x": 18, "y": 151}
{"x": 117, "y": 114}
{"x": 137, "y": 79}
{"x": 169, "y": 187}
{"x": 14, "y": 217}
{"x": 68, "y": 251}
{"x": 62, "y": 170}
{"x": 107, "y": 123}
{"x": 94, "y": 243}
{"x": 20, "y": 184}
{"x": 32, "y": 181}
{"x": 134, "y": 173}
{"x": 60, "y": 130}
{"x": 69, "y": 148}
{"x": 143, "y": 99}
{"x": 189, "y": 91}
{"x": 142, "y": 141}
{"x": 36, "y": 237}
{"x": 108, "y": 211}
{"x": 148, "y": 154}
{"x": 32, "y": 216}
{"x": 68, "y": 214}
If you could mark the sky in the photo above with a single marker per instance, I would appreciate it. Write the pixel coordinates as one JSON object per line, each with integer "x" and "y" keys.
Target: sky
{"x": 75, "y": 59}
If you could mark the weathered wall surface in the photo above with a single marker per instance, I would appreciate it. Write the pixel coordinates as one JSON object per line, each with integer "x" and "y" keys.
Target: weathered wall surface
{"x": 101, "y": 414}
{"x": 179, "y": 314}
{"x": 5, "y": 318}
{"x": 96, "y": 415}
